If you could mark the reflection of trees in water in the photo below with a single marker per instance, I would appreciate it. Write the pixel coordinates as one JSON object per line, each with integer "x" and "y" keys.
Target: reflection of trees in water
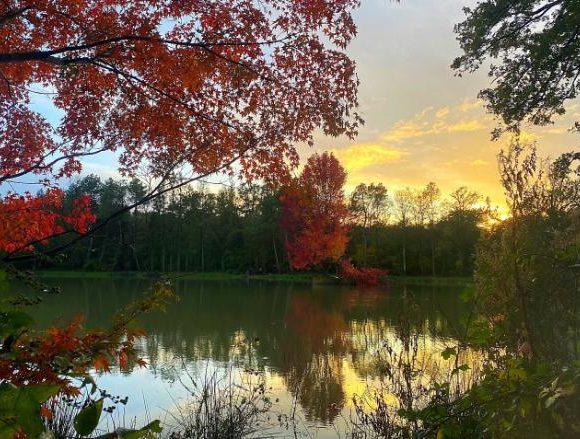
{"x": 318, "y": 386}
{"x": 300, "y": 332}
{"x": 403, "y": 354}
{"x": 318, "y": 328}
{"x": 405, "y": 362}
{"x": 314, "y": 372}
{"x": 411, "y": 367}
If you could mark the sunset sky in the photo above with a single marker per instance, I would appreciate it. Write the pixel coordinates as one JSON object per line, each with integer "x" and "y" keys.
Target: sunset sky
{"x": 422, "y": 122}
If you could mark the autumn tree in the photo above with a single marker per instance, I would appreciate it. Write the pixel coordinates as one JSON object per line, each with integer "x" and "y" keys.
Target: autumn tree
{"x": 168, "y": 85}
{"x": 314, "y": 213}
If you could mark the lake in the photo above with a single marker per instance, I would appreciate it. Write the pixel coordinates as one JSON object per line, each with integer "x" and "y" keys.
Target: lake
{"x": 315, "y": 346}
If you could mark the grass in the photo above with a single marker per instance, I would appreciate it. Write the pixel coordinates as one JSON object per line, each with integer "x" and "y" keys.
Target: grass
{"x": 432, "y": 280}
{"x": 76, "y": 274}
{"x": 272, "y": 277}
{"x": 283, "y": 277}
{"x": 223, "y": 405}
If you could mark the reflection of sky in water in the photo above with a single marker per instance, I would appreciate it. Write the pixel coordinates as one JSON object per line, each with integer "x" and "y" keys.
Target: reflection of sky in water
{"x": 317, "y": 345}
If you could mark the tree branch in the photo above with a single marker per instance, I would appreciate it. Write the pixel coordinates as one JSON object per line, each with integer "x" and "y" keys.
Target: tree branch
{"x": 40, "y": 166}
{"x": 49, "y": 55}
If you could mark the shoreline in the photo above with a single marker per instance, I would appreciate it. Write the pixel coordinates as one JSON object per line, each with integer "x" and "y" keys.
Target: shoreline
{"x": 317, "y": 278}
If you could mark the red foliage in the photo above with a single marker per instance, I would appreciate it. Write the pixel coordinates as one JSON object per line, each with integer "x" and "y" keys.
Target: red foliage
{"x": 361, "y": 276}
{"x": 33, "y": 360}
{"x": 58, "y": 353}
{"x": 315, "y": 325}
{"x": 314, "y": 213}
{"x": 27, "y": 219}
{"x": 164, "y": 81}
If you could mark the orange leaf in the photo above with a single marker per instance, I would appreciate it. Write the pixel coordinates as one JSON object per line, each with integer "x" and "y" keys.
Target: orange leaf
{"x": 101, "y": 364}
{"x": 45, "y": 412}
{"x": 123, "y": 359}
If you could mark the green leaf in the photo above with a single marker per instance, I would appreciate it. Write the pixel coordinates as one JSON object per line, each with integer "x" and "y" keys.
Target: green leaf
{"x": 466, "y": 295}
{"x": 88, "y": 418}
{"x": 460, "y": 368}
{"x": 12, "y": 321}
{"x": 448, "y": 352}
{"x": 87, "y": 381}
{"x": 148, "y": 431}
{"x": 20, "y": 408}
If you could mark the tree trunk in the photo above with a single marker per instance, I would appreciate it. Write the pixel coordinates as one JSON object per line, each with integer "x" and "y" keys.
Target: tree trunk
{"x": 405, "y": 259}
{"x": 432, "y": 256}
{"x": 102, "y": 254}
{"x": 522, "y": 296}
{"x": 137, "y": 265}
{"x": 365, "y": 245}
{"x": 202, "y": 254}
{"x": 119, "y": 263}
{"x": 89, "y": 251}
{"x": 275, "y": 252}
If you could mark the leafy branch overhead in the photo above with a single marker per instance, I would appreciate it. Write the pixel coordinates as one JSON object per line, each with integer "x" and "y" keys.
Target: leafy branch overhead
{"x": 534, "y": 51}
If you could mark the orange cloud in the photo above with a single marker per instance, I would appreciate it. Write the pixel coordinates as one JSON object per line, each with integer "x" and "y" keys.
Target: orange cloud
{"x": 450, "y": 145}
{"x": 360, "y": 156}
{"x": 437, "y": 121}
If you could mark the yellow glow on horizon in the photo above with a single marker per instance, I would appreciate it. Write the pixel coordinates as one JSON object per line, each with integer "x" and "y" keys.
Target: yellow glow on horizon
{"x": 450, "y": 145}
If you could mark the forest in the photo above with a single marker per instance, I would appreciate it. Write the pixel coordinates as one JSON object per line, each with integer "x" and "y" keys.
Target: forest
{"x": 238, "y": 229}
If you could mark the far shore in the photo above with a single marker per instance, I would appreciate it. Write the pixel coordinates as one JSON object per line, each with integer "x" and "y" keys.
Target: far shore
{"x": 318, "y": 278}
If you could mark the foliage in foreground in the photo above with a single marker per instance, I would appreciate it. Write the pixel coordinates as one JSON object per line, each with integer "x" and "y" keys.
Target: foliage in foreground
{"x": 535, "y": 47}
{"x": 223, "y": 404}
{"x": 245, "y": 71}
{"x": 35, "y": 367}
{"x": 524, "y": 321}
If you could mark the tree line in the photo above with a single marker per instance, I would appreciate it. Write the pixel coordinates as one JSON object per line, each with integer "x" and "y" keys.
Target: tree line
{"x": 240, "y": 229}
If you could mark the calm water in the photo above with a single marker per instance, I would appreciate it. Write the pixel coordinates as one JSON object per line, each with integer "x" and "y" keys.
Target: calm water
{"x": 318, "y": 345}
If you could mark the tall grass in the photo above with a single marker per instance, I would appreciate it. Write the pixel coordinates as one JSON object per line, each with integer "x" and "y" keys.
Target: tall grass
{"x": 223, "y": 404}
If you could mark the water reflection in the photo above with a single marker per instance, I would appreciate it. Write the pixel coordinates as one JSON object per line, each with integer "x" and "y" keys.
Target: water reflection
{"x": 319, "y": 345}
